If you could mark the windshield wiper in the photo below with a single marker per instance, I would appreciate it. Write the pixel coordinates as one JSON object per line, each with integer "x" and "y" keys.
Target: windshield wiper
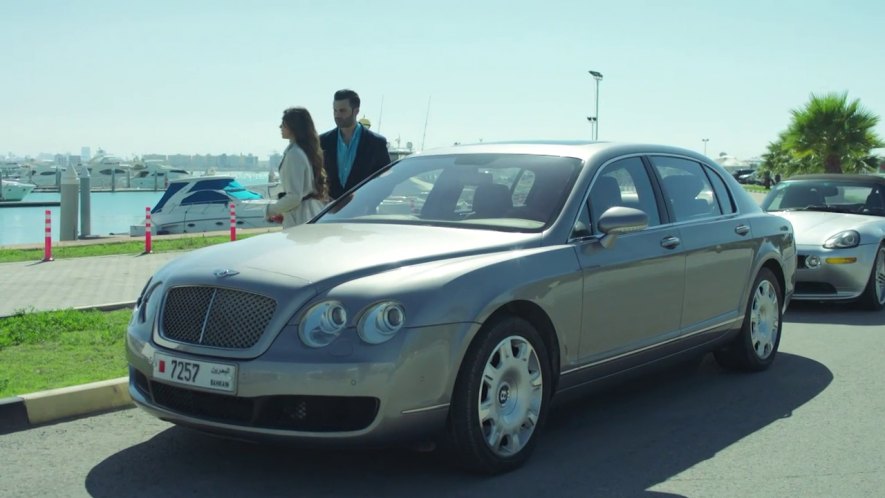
{"x": 830, "y": 209}
{"x": 819, "y": 207}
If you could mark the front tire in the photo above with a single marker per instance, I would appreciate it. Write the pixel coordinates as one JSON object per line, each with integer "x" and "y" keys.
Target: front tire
{"x": 501, "y": 397}
{"x": 873, "y": 297}
{"x": 756, "y": 345}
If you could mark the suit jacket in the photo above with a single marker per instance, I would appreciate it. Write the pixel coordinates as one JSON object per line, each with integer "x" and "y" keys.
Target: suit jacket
{"x": 371, "y": 155}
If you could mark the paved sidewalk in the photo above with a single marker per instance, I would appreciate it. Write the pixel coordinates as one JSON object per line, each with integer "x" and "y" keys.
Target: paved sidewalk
{"x": 76, "y": 282}
{"x": 85, "y": 282}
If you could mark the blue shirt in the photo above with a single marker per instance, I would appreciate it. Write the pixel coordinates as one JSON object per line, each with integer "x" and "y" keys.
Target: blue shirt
{"x": 347, "y": 153}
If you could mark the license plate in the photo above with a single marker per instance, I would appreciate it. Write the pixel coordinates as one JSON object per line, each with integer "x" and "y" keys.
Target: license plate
{"x": 215, "y": 376}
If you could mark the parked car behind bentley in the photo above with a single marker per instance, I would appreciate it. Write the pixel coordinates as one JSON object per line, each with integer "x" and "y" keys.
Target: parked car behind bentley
{"x": 452, "y": 294}
{"x": 840, "y": 235}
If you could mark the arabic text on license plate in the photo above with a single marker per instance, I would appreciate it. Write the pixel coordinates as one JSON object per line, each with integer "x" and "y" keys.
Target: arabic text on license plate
{"x": 217, "y": 376}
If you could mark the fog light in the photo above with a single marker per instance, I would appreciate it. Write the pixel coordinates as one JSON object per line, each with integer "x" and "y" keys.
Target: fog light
{"x": 840, "y": 261}
{"x": 812, "y": 261}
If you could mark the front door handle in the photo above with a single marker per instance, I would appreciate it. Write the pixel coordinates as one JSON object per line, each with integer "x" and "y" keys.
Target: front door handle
{"x": 670, "y": 242}
{"x": 742, "y": 229}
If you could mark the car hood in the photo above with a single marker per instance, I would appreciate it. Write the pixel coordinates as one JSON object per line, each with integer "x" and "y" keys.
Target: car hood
{"x": 341, "y": 251}
{"x": 815, "y": 227}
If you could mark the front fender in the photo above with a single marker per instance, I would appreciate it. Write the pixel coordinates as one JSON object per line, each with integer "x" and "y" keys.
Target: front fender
{"x": 470, "y": 289}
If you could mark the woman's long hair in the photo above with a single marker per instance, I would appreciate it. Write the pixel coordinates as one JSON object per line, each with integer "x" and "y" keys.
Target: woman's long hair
{"x": 299, "y": 122}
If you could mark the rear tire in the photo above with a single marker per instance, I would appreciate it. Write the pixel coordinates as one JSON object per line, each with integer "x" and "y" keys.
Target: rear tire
{"x": 756, "y": 345}
{"x": 873, "y": 297}
{"x": 501, "y": 397}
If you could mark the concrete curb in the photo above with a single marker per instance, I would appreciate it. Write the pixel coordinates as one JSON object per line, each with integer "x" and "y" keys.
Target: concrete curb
{"x": 108, "y": 306}
{"x": 25, "y": 411}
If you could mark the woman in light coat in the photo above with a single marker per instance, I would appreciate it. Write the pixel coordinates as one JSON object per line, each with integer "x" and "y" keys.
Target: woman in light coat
{"x": 302, "y": 177}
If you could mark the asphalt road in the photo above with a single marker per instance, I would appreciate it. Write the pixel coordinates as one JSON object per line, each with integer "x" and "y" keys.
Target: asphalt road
{"x": 810, "y": 426}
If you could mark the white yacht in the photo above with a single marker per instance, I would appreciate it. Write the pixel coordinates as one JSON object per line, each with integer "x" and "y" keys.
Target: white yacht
{"x": 42, "y": 173}
{"x": 202, "y": 204}
{"x": 12, "y": 190}
{"x": 155, "y": 175}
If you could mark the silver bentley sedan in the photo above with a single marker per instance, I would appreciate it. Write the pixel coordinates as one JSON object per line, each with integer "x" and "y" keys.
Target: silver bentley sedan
{"x": 840, "y": 235}
{"x": 448, "y": 298}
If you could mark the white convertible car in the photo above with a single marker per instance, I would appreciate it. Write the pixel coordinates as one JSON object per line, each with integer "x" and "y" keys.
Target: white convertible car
{"x": 840, "y": 235}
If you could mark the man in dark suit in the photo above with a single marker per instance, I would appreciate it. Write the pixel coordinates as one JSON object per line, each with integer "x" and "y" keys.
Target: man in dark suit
{"x": 350, "y": 151}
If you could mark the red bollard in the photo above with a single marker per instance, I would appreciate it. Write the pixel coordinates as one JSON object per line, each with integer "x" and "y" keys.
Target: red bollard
{"x": 47, "y": 241}
{"x": 233, "y": 222}
{"x": 147, "y": 230}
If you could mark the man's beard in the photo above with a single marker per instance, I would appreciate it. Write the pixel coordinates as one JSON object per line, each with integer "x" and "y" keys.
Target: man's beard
{"x": 348, "y": 122}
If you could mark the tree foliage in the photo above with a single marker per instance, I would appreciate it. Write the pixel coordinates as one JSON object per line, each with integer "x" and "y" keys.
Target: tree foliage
{"x": 829, "y": 134}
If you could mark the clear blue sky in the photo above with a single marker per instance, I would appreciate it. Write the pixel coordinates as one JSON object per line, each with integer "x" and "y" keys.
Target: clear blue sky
{"x": 198, "y": 77}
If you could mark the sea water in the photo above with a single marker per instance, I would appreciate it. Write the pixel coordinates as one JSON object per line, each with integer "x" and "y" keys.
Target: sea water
{"x": 112, "y": 212}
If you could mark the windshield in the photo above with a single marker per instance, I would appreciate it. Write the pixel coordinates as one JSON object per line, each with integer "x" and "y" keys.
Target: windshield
{"x": 513, "y": 192}
{"x": 826, "y": 195}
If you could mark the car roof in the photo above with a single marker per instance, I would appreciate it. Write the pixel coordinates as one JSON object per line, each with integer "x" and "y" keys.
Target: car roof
{"x": 840, "y": 177}
{"x": 580, "y": 149}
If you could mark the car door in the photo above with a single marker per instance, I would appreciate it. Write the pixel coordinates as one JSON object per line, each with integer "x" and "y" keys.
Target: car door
{"x": 717, "y": 242}
{"x": 633, "y": 290}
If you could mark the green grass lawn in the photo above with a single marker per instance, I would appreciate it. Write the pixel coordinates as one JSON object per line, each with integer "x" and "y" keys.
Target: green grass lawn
{"x": 47, "y": 350}
{"x": 105, "y": 249}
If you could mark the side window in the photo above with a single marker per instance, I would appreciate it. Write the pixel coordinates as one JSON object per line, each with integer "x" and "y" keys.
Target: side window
{"x": 623, "y": 183}
{"x": 582, "y": 227}
{"x": 726, "y": 204}
{"x": 204, "y": 197}
{"x": 687, "y": 189}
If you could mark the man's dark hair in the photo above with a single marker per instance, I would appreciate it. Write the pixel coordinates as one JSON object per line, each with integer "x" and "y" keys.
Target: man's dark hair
{"x": 350, "y": 96}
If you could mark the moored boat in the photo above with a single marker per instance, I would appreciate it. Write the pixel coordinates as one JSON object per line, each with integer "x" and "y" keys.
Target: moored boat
{"x": 154, "y": 174}
{"x": 202, "y": 204}
{"x": 11, "y": 190}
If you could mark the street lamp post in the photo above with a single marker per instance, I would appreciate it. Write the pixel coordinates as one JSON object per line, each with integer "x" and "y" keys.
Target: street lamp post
{"x": 705, "y": 140}
{"x": 592, "y": 121}
{"x": 598, "y": 77}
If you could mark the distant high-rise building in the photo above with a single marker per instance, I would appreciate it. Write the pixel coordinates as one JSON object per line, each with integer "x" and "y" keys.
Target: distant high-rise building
{"x": 85, "y": 154}
{"x": 273, "y": 162}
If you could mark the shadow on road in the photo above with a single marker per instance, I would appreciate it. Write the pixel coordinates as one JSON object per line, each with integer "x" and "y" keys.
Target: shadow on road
{"x": 835, "y": 313}
{"x": 617, "y": 442}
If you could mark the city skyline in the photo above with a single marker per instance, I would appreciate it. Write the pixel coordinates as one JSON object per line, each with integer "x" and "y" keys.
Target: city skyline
{"x": 213, "y": 77}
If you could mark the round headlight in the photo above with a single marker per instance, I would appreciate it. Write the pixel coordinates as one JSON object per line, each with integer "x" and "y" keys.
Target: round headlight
{"x": 843, "y": 240}
{"x": 381, "y": 322}
{"x": 322, "y": 323}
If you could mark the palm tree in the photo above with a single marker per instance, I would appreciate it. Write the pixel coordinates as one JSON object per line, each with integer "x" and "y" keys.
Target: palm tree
{"x": 832, "y": 132}
{"x": 781, "y": 160}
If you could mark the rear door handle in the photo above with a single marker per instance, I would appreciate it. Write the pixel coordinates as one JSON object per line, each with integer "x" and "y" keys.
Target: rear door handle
{"x": 670, "y": 242}
{"x": 742, "y": 229}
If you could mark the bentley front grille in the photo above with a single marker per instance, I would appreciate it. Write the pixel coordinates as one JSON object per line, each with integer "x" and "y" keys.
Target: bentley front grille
{"x": 215, "y": 317}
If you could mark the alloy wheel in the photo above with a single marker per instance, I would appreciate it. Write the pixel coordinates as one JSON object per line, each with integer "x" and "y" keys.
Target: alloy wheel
{"x": 510, "y": 396}
{"x": 764, "y": 317}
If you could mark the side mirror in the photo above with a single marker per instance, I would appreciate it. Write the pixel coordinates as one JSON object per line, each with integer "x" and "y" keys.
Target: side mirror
{"x": 620, "y": 220}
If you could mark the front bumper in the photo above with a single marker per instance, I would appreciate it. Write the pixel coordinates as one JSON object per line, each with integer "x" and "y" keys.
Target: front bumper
{"x": 348, "y": 392}
{"x": 834, "y": 279}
